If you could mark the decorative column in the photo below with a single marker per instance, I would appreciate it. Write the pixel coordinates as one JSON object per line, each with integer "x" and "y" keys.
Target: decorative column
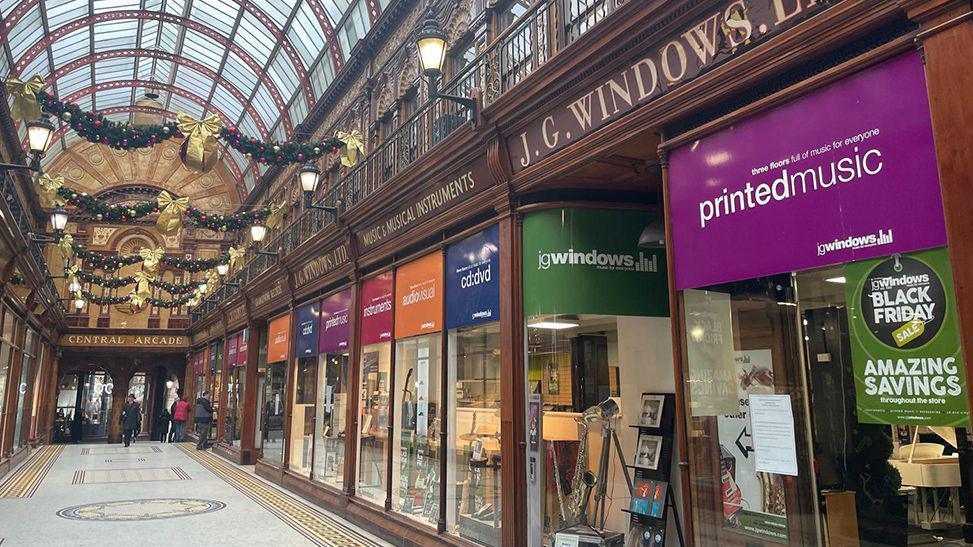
{"x": 945, "y": 39}
{"x": 121, "y": 377}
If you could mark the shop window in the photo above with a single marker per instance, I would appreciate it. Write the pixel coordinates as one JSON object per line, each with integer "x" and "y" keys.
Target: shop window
{"x": 510, "y": 13}
{"x": 22, "y": 387}
{"x": 302, "y": 416}
{"x": 416, "y": 444}
{"x": 272, "y": 434}
{"x": 374, "y": 421}
{"x": 473, "y": 467}
{"x": 330, "y": 411}
{"x": 259, "y": 422}
{"x": 460, "y": 57}
{"x": 235, "y": 384}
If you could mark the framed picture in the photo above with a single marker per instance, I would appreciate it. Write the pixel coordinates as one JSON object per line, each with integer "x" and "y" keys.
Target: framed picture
{"x": 648, "y": 452}
{"x": 651, "y": 410}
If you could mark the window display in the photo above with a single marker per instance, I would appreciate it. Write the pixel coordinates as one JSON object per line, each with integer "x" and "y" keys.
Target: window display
{"x": 373, "y": 403}
{"x": 416, "y": 444}
{"x": 216, "y": 393}
{"x": 332, "y": 390}
{"x": 272, "y": 434}
{"x": 473, "y": 458}
{"x": 598, "y": 338}
{"x": 258, "y": 423}
{"x": 27, "y": 363}
{"x": 839, "y": 334}
{"x": 302, "y": 416}
{"x": 236, "y": 380}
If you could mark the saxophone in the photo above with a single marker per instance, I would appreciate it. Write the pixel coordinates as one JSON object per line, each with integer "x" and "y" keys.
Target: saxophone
{"x": 583, "y": 479}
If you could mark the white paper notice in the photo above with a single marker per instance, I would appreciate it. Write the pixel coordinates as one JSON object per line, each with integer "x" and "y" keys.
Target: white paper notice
{"x": 772, "y": 422}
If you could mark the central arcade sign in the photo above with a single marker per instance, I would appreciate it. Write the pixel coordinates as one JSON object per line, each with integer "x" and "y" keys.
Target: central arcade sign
{"x": 96, "y": 341}
{"x": 459, "y": 185}
{"x": 716, "y": 37}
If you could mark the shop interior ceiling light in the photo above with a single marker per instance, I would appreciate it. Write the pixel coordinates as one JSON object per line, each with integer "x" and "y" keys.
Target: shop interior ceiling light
{"x": 554, "y": 324}
{"x": 839, "y": 279}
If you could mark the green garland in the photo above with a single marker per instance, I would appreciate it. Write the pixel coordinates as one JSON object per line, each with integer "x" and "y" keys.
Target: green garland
{"x": 112, "y": 262}
{"x": 96, "y": 128}
{"x": 118, "y": 282}
{"x": 114, "y": 300}
{"x": 116, "y": 214}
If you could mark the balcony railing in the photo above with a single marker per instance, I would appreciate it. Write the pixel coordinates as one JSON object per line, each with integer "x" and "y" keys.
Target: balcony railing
{"x": 25, "y": 223}
{"x": 526, "y": 45}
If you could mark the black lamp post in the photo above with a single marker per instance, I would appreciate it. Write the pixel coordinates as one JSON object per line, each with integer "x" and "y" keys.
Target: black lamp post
{"x": 431, "y": 46}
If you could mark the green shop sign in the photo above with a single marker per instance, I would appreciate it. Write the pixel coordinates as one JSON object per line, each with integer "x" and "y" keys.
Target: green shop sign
{"x": 583, "y": 260}
{"x": 905, "y": 343}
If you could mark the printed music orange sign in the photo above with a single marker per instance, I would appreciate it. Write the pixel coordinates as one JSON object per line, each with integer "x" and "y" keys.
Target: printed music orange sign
{"x": 419, "y": 296}
{"x": 278, "y": 337}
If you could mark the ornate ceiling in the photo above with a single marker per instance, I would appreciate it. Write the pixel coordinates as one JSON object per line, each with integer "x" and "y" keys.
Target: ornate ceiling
{"x": 259, "y": 65}
{"x": 101, "y": 171}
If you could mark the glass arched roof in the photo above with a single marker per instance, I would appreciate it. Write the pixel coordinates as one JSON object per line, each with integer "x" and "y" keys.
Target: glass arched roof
{"x": 259, "y": 65}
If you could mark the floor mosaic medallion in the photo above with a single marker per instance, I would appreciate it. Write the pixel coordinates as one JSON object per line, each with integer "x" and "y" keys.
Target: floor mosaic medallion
{"x": 140, "y": 509}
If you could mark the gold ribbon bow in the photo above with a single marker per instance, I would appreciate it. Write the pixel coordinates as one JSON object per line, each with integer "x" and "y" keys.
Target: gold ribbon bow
{"x": 25, "y": 105}
{"x": 200, "y": 145}
{"x": 194, "y": 301}
{"x": 354, "y": 145}
{"x": 236, "y": 258}
{"x": 48, "y": 192}
{"x": 171, "y": 210}
{"x": 150, "y": 260}
{"x": 277, "y": 215}
{"x": 142, "y": 284}
{"x": 66, "y": 246}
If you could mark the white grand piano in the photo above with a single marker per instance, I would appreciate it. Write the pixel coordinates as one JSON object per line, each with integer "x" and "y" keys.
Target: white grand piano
{"x": 936, "y": 479}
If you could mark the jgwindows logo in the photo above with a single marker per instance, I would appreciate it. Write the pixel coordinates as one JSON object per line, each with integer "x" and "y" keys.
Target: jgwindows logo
{"x": 599, "y": 260}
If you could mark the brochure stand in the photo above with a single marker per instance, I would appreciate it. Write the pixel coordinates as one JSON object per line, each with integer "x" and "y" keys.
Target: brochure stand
{"x": 652, "y": 495}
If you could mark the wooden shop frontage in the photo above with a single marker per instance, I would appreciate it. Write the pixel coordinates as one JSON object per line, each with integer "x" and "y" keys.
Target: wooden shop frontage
{"x": 649, "y": 297}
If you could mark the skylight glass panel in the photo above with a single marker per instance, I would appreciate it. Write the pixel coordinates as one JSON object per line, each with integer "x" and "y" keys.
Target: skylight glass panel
{"x": 343, "y": 41}
{"x": 38, "y": 66}
{"x": 74, "y": 81}
{"x": 150, "y": 33}
{"x": 108, "y": 70}
{"x": 256, "y": 38}
{"x": 153, "y": 5}
{"x": 281, "y": 71}
{"x": 278, "y": 133}
{"x": 335, "y": 8}
{"x": 239, "y": 159}
{"x": 115, "y": 35}
{"x": 306, "y": 34}
{"x": 298, "y": 110}
{"x": 202, "y": 49}
{"x": 194, "y": 81}
{"x": 84, "y": 103}
{"x": 216, "y": 14}
{"x": 74, "y": 45}
{"x": 118, "y": 117}
{"x": 248, "y": 181}
{"x": 28, "y": 31}
{"x": 101, "y": 6}
{"x": 226, "y": 102}
{"x": 159, "y": 67}
{"x": 4, "y": 65}
{"x": 175, "y": 7}
{"x": 168, "y": 37}
{"x": 248, "y": 127}
{"x": 236, "y": 71}
{"x": 322, "y": 75}
{"x": 179, "y": 104}
{"x": 265, "y": 106}
{"x": 60, "y": 12}
{"x": 6, "y": 6}
{"x": 113, "y": 97}
{"x": 278, "y": 10}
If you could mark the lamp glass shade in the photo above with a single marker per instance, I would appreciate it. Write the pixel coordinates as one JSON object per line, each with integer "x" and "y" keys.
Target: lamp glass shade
{"x": 309, "y": 176}
{"x": 79, "y": 303}
{"x": 74, "y": 286}
{"x": 258, "y": 232}
{"x": 222, "y": 269}
{"x": 59, "y": 218}
{"x": 202, "y": 287}
{"x": 432, "y": 53}
{"x": 40, "y": 134}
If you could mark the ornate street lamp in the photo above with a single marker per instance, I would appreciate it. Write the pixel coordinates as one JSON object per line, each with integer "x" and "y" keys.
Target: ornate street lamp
{"x": 40, "y": 135}
{"x": 59, "y": 218}
{"x": 310, "y": 175}
{"x": 431, "y": 47}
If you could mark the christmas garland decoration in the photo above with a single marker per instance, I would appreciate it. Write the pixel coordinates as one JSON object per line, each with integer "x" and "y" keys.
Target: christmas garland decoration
{"x": 112, "y": 262}
{"x": 95, "y": 128}
{"x": 115, "y": 300}
{"x": 119, "y": 282}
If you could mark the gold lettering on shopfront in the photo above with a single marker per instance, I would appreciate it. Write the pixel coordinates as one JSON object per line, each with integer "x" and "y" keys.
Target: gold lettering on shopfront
{"x": 273, "y": 292}
{"x": 321, "y": 265}
{"x": 673, "y": 61}
{"x": 124, "y": 340}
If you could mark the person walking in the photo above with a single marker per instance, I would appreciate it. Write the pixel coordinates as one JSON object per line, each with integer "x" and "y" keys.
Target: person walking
{"x": 204, "y": 418}
{"x": 180, "y": 413}
{"x": 130, "y": 418}
{"x": 165, "y": 423}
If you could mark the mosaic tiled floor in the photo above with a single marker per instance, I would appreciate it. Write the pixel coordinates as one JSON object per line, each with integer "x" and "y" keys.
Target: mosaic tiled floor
{"x": 139, "y": 510}
{"x": 151, "y": 474}
{"x": 317, "y": 527}
{"x": 119, "y": 450}
{"x": 23, "y": 482}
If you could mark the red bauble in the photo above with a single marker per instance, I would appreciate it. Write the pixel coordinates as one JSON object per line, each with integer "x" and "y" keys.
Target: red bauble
{"x": 97, "y": 123}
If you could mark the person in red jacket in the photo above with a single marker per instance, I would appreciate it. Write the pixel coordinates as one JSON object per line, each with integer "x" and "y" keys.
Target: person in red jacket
{"x": 180, "y": 413}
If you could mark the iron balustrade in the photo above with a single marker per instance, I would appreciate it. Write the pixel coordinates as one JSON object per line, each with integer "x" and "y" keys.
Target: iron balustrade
{"x": 524, "y": 46}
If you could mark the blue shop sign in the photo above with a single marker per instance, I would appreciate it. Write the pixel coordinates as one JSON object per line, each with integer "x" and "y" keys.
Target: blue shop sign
{"x": 307, "y": 330}
{"x": 473, "y": 280}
